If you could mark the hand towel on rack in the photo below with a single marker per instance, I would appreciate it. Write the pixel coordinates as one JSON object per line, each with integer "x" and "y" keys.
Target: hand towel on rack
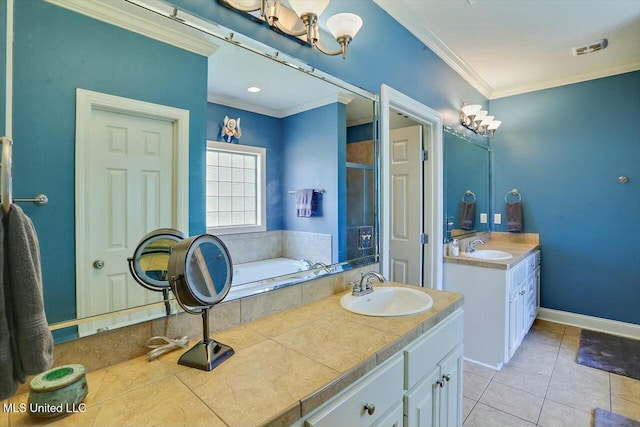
{"x": 34, "y": 343}
{"x": 8, "y": 385}
{"x": 467, "y": 215}
{"x": 514, "y": 216}
{"x": 305, "y": 203}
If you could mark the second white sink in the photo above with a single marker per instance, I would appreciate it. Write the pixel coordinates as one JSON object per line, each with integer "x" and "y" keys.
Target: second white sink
{"x": 388, "y": 301}
{"x": 489, "y": 254}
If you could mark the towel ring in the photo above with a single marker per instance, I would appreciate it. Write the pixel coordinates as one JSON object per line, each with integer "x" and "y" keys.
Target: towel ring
{"x": 514, "y": 193}
{"x": 7, "y": 194}
{"x": 469, "y": 193}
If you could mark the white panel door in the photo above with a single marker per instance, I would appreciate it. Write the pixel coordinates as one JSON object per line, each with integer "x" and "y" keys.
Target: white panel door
{"x": 129, "y": 177}
{"x": 405, "y": 251}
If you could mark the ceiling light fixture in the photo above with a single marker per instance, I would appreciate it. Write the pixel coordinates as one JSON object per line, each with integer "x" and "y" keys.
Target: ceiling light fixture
{"x": 301, "y": 22}
{"x": 477, "y": 120}
{"x": 253, "y": 89}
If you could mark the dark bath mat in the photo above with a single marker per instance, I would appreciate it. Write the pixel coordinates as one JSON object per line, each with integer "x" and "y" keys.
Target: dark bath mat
{"x": 603, "y": 418}
{"x": 610, "y": 353}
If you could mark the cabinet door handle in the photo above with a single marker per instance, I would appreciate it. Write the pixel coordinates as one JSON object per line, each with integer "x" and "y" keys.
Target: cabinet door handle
{"x": 440, "y": 383}
{"x": 446, "y": 377}
{"x": 370, "y": 408}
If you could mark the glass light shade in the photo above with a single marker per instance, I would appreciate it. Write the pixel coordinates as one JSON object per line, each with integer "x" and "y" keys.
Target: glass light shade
{"x": 480, "y": 115}
{"x": 471, "y": 110}
{"x": 486, "y": 121}
{"x": 303, "y": 7}
{"x": 494, "y": 125}
{"x": 344, "y": 24}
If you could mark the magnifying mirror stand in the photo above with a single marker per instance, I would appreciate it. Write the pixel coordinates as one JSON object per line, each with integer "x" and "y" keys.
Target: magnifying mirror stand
{"x": 208, "y": 353}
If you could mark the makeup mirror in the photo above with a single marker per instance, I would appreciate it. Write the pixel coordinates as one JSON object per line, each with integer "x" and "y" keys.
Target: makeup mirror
{"x": 200, "y": 273}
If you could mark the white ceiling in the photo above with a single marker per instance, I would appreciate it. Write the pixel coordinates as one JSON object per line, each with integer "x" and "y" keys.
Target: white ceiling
{"x": 507, "y": 47}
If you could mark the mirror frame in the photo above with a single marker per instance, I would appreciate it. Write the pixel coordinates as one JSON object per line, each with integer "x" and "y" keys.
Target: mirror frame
{"x": 224, "y": 35}
{"x": 487, "y": 148}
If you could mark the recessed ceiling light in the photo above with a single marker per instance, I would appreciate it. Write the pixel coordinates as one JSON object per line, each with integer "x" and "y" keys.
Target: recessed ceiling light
{"x": 253, "y": 89}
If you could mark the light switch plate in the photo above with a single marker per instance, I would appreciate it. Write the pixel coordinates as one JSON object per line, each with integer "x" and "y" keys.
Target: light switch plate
{"x": 483, "y": 218}
{"x": 497, "y": 218}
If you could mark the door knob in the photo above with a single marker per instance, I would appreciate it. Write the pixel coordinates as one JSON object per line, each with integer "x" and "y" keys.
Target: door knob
{"x": 98, "y": 264}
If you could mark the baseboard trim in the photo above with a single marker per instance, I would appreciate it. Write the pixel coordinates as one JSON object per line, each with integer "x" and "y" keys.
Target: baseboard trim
{"x": 613, "y": 327}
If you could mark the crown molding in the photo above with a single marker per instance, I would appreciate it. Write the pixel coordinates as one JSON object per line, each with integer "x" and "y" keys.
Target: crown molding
{"x": 401, "y": 13}
{"x": 133, "y": 18}
{"x": 548, "y": 84}
{"x": 279, "y": 114}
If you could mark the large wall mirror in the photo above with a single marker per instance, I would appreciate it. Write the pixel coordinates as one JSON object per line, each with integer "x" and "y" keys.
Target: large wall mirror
{"x": 467, "y": 185}
{"x": 310, "y": 132}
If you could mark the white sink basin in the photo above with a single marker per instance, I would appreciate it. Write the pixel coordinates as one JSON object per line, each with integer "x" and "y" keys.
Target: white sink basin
{"x": 489, "y": 254}
{"x": 388, "y": 301}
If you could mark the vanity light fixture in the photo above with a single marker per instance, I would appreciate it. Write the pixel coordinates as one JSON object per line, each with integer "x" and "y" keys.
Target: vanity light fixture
{"x": 477, "y": 120}
{"x": 301, "y": 21}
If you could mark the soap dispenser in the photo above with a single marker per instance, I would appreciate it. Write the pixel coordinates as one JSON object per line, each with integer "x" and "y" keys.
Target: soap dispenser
{"x": 454, "y": 249}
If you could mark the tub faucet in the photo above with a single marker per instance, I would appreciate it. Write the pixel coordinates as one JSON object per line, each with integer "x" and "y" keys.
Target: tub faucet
{"x": 363, "y": 287}
{"x": 322, "y": 265}
{"x": 471, "y": 246}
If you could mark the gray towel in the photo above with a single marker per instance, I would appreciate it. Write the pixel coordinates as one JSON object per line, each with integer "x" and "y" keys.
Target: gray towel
{"x": 514, "y": 216}
{"x": 304, "y": 203}
{"x": 467, "y": 215}
{"x": 8, "y": 385}
{"x": 28, "y": 323}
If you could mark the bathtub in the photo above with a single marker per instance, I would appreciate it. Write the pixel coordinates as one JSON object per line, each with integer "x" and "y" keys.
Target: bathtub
{"x": 269, "y": 274}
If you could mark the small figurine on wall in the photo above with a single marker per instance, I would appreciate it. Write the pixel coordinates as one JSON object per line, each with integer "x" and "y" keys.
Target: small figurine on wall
{"x": 231, "y": 130}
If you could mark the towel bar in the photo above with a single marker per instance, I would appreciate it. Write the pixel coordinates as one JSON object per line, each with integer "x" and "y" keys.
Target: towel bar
{"x": 321, "y": 190}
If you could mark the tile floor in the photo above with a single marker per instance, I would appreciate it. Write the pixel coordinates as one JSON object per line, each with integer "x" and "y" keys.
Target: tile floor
{"x": 543, "y": 385}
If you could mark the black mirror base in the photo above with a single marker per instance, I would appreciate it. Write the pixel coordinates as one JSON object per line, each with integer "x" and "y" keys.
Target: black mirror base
{"x": 206, "y": 355}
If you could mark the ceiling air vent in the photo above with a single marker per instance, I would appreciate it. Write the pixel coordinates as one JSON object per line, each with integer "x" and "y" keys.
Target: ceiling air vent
{"x": 590, "y": 47}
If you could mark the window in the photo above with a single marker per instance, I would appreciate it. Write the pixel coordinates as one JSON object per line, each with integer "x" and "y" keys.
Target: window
{"x": 235, "y": 188}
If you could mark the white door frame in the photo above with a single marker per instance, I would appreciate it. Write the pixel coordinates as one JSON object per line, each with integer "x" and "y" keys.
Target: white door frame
{"x": 86, "y": 101}
{"x": 433, "y": 179}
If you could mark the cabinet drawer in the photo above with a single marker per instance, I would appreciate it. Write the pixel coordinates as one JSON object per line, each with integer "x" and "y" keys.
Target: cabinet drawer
{"x": 423, "y": 355}
{"x": 532, "y": 262}
{"x": 382, "y": 389}
{"x": 518, "y": 273}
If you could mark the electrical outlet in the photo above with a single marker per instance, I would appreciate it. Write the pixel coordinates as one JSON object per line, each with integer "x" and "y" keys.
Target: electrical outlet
{"x": 483, "y": 218}
{"x": 497, "y": 218}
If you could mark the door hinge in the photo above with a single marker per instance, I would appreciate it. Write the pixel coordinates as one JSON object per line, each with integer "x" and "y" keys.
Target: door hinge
{"x": 424, "y": 238}
{"x": 424, "y": 155}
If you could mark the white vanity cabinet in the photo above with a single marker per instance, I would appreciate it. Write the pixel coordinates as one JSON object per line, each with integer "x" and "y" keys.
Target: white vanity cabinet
{"x": 419, "y": 386}
{"x": 433, "y": 369}
{"x": 500, "y": 307}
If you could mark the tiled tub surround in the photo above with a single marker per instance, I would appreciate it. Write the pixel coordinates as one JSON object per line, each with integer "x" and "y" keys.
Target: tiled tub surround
{"x": 249, "y": 247}
{"x": 519, "y": 245}
{"x": 285, "y": 366}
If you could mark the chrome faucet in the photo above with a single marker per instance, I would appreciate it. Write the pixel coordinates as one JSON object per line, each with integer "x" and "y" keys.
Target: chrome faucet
{"x": 321, "y": 265}
{"x": 363, "y": 287}
{"x": 471, "y": 246}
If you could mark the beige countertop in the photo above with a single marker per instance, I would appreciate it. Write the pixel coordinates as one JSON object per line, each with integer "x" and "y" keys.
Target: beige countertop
{"x": 518, "y": 245}
{"x": 285, "y": 366}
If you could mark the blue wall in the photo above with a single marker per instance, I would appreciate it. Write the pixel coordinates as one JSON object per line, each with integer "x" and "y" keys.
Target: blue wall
{"x": 315, "y": 157}
{"x": 258, "y": 130}
{"x": 57, "y": 51}
{"x": 392, "y": 56}
{"x": 564, "y": 149}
